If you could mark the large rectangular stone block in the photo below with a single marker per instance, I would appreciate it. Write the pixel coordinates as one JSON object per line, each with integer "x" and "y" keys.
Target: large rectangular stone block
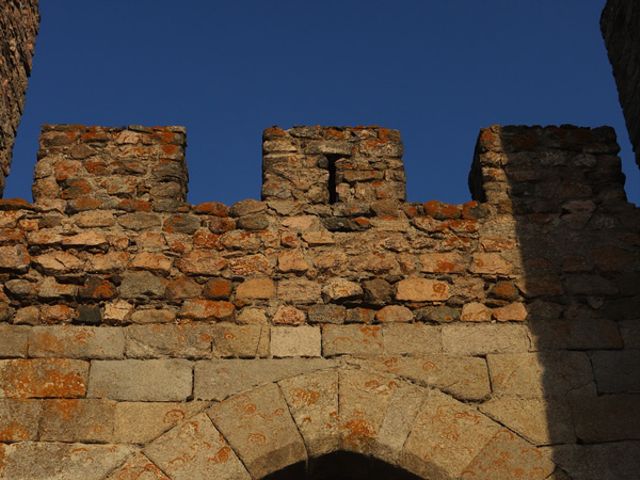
{"x": 13, "y": 340}
{"x": 141, "y": 380}
{"x": 69, "y": 341}
{"x": 43, "y": 378}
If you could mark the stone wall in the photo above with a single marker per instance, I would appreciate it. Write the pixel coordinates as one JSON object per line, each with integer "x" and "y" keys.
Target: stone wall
{"x": 620, "y": 25}
{"x": 495, "y": 339}
{"x": 19, "y": 21}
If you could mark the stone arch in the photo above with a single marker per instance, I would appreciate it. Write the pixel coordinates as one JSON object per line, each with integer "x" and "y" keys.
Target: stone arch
{"x": 266, "y": 429}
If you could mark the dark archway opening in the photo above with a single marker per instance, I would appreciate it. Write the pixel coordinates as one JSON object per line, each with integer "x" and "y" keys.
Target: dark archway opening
{"x": 342, "y": 466}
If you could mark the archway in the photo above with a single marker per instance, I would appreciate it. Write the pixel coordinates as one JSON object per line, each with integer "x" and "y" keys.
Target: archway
{"x": 342, "y": 466}
{"x": 338, "y": 423}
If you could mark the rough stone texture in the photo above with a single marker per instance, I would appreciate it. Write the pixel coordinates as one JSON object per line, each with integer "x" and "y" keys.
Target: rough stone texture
{"x": 92, "y": 420}
{"x": 448, "y": 433}
{"x": 219, "y": 379}
{"x": 76, "y": 342}
{"x": 141, "y": 380}
{"x": 19, "y": 419}
{"x": 137, "y": 467}
{"x": 260, "y": 429}
{"x": 506, "y": 457}
{"x": 445, "y": 338}
{"x": 19, "y": 21}
{"x": 538, "y": 421}
{"x": 301, "y": 341}
{"x": 141, "y": 422}
{"x": 465, "y": 378}
{"x": 619, "y": 24}
{"x": 313, "y": 402}
{"x": 196, "y": 450}
{"x": 60, "y": 461}
{"x": 42, "y": 378}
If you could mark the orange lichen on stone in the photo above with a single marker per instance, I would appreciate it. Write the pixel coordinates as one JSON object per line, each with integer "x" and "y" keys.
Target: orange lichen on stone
{"x": 42, "y": 378}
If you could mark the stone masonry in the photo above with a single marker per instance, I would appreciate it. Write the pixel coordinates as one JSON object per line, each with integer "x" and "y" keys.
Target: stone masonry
{"x": 145, "y": 338}
{"x": 497, "y": 339}
{"x": 620, "y": 24}
{"x": 19, "y": 21}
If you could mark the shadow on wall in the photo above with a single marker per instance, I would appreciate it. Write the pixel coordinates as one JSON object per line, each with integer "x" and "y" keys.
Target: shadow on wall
{"x": 559, "y": 194}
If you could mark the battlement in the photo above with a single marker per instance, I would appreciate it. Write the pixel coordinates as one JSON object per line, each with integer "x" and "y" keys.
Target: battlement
{"x": 121, "y": 302}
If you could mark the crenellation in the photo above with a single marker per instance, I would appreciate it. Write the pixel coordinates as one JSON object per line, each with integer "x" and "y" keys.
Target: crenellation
{"x": 143, "y": 335}
{"x": 332, "y": 164}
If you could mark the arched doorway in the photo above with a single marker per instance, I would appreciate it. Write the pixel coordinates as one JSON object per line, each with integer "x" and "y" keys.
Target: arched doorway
{"x": 342, "y": 466}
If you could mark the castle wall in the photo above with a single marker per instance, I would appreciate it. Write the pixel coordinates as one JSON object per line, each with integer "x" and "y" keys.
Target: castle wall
{"x": 483, "y": 340}
{"x": 19, "y": 21}
{"x": 620, "y": 24}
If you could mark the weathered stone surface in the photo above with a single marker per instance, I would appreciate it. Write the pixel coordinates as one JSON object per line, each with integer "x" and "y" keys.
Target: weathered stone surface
{"x": 302, "y": 341}
{"x": 313, "y": 403}
{"x": 142, "y": 285}
{"x": 219, "y": 379}
{"x": 260, "y": 429}
{"x": 298, "y": 290}
{"x": 339, "y": 289}
{"x": 199, "y": 309}
{"x": 422, "y": 290}
{"x": 13, "y": 340}
{"x": 439, "y": 314}
{"x": 137, "y": 467}
{"x": 58, "y": 262}
{"x": 327, "y": 313}
{"x": 376, "y": 412}
{"x": 288, "y": 315}
{"x": 446, "y": 436}
{"x": 605, "y": 418}
{"x": 19, "y": 419}
{"x": 76, "y": 342}
{"x": 449, "y": 262}
{"x": 465, "y": 378}
{"x": 394, "y": 313}
{"x": 377, "y": 291}
{"x": 261, "y": 288}
{"x": 196, "y": 449}
{"x": 244, "y": 341}
{"x": 218, "y": 289}
{"x": 483, "y": 339}
{"x": 141, "y": 380}
{"x": 60, "y": 461}
{"x": 151, "y": 315}
{"x": 524, "y": 374}
{"x": 475, "y": 312}
{"x": 154, "y": 262}
{"x": 142, "y": 422}
{"x": 43, "y": 378}
{"x": 608, "y": 461}
{"x": 14, "y": 257}
{"x": 352, "y": 339}
{"x": 185, "y": 340}
{"x": 515, "y": 312}
{"x": 292, "y": 261}
{"x": 506, "y": 457}
{"x": 617, "y": 372}
{"x": 79, "y": 420}
{"x": 575, "y": 334}
{"x": 199, "y": 262}
{"x": 490, "y": 264}
{"x": 411, "y": 339}
{"x": 540, "y": 421}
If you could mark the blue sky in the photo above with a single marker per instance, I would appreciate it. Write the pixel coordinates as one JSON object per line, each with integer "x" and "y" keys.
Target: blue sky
{"x": 436, "y": 70}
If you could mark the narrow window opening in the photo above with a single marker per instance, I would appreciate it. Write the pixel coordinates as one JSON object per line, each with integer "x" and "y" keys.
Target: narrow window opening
{"x": 332, "y": 158}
